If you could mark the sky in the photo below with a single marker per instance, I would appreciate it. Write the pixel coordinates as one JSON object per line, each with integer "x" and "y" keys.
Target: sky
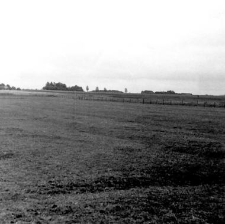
{"x": 139, "y": 45}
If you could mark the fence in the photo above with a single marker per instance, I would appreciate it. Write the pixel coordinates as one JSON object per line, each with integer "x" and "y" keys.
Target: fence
{"x": 156, "y": 101}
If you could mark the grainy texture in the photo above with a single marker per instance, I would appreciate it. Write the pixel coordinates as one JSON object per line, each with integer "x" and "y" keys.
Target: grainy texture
{"x": 65, "y": 160}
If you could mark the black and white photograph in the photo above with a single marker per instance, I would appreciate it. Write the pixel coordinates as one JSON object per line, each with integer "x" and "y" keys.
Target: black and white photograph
{"x": 112, "y": 111}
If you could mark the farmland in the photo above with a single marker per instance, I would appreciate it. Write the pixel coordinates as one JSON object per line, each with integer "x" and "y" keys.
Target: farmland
{"x": 86, "y": 158}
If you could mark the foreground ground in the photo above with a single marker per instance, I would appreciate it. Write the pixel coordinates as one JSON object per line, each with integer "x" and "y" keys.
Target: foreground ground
{"x": 72, "y": 161}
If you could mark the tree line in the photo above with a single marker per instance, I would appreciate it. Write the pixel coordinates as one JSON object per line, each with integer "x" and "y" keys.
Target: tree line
{"x": 105, "y": 90}
{"x": 8, "y": 87}
{"x": 163, "y": 92}
{"x": 61, "y": 86}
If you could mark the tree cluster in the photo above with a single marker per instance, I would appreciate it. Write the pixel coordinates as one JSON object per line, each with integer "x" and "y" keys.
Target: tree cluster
{"x": 147, "y": 92}
{"x": 61, "y": 86}
{"x": 165, "y": 92}
{"x": 158, "y": 92}
{"x": 105, "y": 90}
{"x": 8, "y": 87}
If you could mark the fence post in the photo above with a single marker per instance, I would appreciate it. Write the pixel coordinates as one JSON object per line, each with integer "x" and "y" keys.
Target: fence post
{"x": 197, "y": 102}
{"x": 163, "y": 101}
{"x": 143, "y": 101}
{"x": 214, "y": 104}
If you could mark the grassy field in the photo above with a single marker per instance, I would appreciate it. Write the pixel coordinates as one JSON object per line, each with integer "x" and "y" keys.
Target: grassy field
{"x": 65, "y": 160}
{"x": 165, "y": 99}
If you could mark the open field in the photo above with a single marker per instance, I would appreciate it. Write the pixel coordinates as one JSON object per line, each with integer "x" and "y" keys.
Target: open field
{"x": 166, "y": 99}
{"x": 65, "y": 160}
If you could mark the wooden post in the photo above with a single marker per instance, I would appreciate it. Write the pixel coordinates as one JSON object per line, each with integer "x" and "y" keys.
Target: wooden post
{"x": 214, "y": 104}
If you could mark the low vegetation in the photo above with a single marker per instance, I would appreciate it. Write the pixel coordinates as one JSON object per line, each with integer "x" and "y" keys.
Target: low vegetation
{"x": 64, "y": 160}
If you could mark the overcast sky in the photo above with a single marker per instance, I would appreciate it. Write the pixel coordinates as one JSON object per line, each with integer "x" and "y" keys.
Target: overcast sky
{"x": 140, "y": 45}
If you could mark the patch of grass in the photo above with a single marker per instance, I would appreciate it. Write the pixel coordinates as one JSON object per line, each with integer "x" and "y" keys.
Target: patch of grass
{"x": 207, "y": 149}
{"x": 201, "y": 204}
{"x": 7, "y": 155}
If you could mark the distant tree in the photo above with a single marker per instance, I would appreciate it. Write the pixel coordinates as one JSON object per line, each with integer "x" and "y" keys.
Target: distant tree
{"x": 8, "y": 87}
{"x": 18, "y": 89}
{"x": 60, "y": 86}
{"x": 125, "y": 90}
{"x": 2, "y": 86}
{"x": 50, "y": 86}
{"x": 97, "y": 89}
{"x": 147, "y": 92}
{"x": 105, "y": 90}
{"x": 171, "y": 92}
{"x": 87, "y": 88}
{"x": 75, "y": 88}
{"x": 13, "y": 88}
